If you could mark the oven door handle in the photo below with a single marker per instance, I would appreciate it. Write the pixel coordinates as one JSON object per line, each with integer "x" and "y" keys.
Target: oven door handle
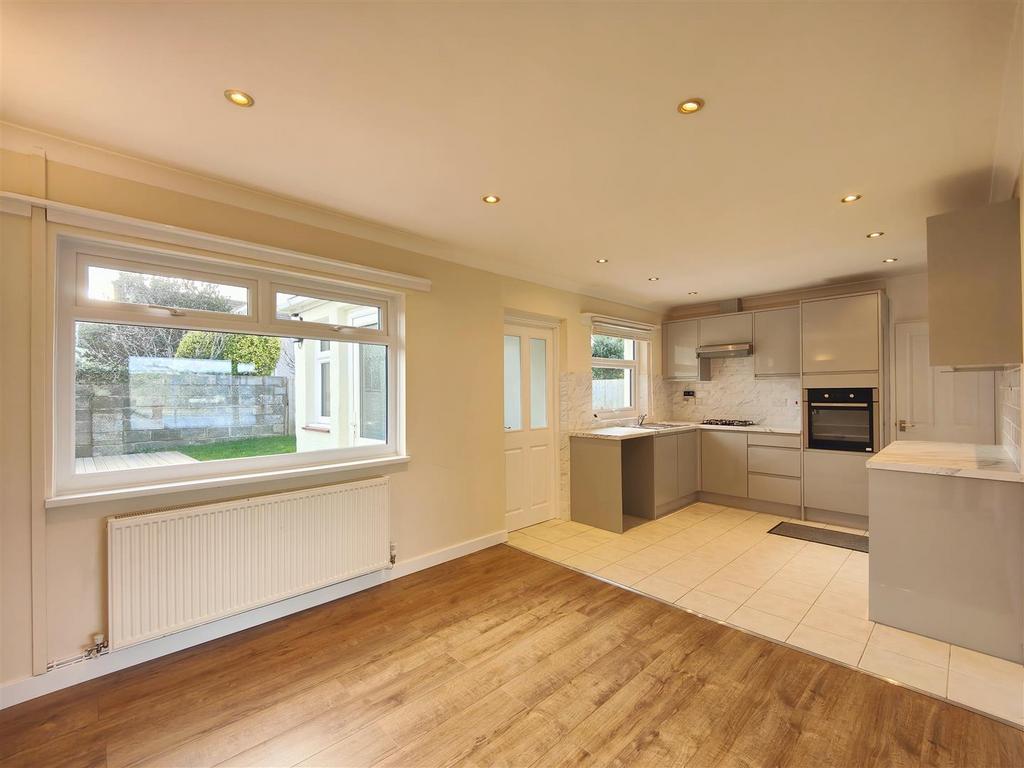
{"x": 863, "y": 406}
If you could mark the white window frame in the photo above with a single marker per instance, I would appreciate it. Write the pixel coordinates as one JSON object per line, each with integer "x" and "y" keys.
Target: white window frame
{"x": 73, "y": 256}
{"x": 631, "y": 365}
{"x": 321, "y": 359}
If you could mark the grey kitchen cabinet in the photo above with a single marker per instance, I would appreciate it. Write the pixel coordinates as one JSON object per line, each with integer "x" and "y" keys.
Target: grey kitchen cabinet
{"x": 841, "y": 334}
{"x": 723, "y": 462}
{"x": 727, "y": 329}
{"x": 666, "y": 469}
{"x": 836, "y": 481}
{"x": 680, "y": 340}
{"x": 974, "y": 296}
{"x": 777, "y": 342}
{"x": 687, "y": 454}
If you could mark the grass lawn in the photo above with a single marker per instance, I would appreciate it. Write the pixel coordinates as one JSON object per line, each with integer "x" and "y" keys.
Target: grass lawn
{"x": 236, "y": 449}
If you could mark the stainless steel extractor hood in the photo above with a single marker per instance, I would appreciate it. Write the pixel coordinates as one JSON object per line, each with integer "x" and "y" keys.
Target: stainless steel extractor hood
{"x": 708, "y": 351}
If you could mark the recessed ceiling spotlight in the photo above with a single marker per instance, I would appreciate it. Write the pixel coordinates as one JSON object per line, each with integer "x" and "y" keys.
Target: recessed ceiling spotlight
{"x": 491, "y": 199}
{"x": 654, "y": 279}
{"x": 691, "y": 293}
{"x": 850, "y": 198}
{"x": 890, "y": 260}
{"x": 690, "y": 106}
{"x": 602, "y": 261}
{"x": 873, "y": 235}
{"x": 239, "y": 98}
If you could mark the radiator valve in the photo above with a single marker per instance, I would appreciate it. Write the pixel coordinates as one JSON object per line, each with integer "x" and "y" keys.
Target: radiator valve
{"x": 394, "y": 553}
{"x": 99, "y": 646}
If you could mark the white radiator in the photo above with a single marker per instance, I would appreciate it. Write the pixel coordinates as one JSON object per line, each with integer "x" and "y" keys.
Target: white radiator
{"x": 168, "y": 571}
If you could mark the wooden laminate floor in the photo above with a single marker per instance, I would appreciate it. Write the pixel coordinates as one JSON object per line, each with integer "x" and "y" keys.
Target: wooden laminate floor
{"x": 498, "y": 658}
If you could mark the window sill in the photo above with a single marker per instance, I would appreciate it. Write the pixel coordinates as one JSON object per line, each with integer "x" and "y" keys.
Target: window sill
{"x": 163, "y": 489}
{"x": 317, "y": 428}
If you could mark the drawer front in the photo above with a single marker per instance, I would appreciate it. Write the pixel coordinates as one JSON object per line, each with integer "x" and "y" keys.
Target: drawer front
{"x": 778, "y": 441}
{"x": 784, "y": 490}
{"x": 774, "y": 461}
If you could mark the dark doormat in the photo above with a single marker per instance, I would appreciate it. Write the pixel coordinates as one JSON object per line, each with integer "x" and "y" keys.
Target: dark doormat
{"x": 822, "y": 536}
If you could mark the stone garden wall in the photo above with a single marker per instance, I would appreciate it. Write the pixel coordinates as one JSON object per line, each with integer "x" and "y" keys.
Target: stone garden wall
{"x": 159, "y": 411}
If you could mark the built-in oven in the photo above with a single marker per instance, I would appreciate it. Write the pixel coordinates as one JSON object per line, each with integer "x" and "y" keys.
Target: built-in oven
{"x": 841, "y": 419}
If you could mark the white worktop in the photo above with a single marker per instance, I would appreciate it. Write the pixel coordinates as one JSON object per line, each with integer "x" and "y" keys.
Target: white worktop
{"x": 984, "y": 462}
{"x": 627, "y": 433}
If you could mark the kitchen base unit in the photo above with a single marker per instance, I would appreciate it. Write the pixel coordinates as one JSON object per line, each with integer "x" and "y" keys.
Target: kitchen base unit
{"x": 642, "y": 477}
{"x": 947, "y": 552}
{"x": 836, "y": 487}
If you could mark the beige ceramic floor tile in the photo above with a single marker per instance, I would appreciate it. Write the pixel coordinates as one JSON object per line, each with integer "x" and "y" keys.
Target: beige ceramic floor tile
{"x": 550, "y": 533}
{"x": 777, "y": 605}
{"x": 620, "y": 574}
{"x": 554, "y": 552}
{"x": 826, "y": 644}
{"x": 750, "y": 575}
{"x": 686, "y": 572}
{"x": 837, "y": 623}
{"x": 708, "y": 605}
{"x": 610, "y": 551}
{"x": 795, "y": 590}
{"x": 572, "y": 525}
{"x": 934, "y": 652}
{"x": 579, "y": 543}
{"x": 983, "y": 666}
{"x": 762, "y": 623}
{"x": 726, "y": 588}
{"x": 680, "y": 542}
{"x": 529, "y": 544}
{"x": 851, "y": 606}
{"x": 663, "y": 589}
{"x": 853, "y": 570}
{"x": 1003, "y": 700}
{"x": 655, "y": 554}
{"x": 903, "y": 669}
{"x": 847, "y": 588}
{"x": 584, "y": 561}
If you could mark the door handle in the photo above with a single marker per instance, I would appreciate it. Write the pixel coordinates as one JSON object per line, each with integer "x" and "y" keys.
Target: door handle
{"x": 904, "y": 425}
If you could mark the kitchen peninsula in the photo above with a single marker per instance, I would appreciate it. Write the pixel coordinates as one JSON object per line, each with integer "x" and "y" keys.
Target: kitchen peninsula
{"x": 618, "y": 473}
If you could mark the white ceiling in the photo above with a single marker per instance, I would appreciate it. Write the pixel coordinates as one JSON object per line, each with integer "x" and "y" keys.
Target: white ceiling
{"x": 405, "y": 114}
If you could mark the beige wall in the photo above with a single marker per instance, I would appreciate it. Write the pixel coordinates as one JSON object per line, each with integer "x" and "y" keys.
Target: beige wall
{"x": 15, "y": 493}
{"x": 453, "y": 489}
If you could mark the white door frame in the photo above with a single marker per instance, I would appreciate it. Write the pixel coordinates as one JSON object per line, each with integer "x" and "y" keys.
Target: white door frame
{"x": 554, "y": 324}
{"x": 891, "y": 430}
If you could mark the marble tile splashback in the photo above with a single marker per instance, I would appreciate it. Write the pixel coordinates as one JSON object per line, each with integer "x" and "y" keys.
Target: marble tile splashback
{"x": 734, "y": 393}
{"x": 1008, "y": 416}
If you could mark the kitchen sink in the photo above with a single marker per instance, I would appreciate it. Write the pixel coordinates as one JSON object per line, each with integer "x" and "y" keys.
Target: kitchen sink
{"x": 656, "y": 426}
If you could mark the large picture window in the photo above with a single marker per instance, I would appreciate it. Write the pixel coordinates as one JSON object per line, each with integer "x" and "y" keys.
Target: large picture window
{"x": 170, "y": 368}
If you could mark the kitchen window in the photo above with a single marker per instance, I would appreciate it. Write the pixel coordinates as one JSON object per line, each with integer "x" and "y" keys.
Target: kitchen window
{"x": 172, "y": 368}
{"x": 614, "y": 375}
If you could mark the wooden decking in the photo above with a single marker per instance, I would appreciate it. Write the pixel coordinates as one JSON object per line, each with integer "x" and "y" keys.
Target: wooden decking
{"x": 498, "y": 658}
{"x": 131, "y": 461}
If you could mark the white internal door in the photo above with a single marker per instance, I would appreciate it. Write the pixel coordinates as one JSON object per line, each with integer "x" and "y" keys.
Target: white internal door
{"x": 937, "y": 403}
{"x": 530, "y": 452}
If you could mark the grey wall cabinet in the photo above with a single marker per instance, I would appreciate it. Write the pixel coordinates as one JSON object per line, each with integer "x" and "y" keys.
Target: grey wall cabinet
{"x": 687, "y": 454}
{"x": 836, "y": 481}
{"x": 974, "y": 297}
{"x": 727, "y": 329}
{"x": 777, "y": 342}
{"x": 680, "y": 340}
{"x": 841, "y": 334}
{"x": 723, "y": 462}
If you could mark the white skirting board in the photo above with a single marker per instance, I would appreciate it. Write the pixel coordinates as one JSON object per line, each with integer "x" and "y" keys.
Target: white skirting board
{"x": 27, "y": 688}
